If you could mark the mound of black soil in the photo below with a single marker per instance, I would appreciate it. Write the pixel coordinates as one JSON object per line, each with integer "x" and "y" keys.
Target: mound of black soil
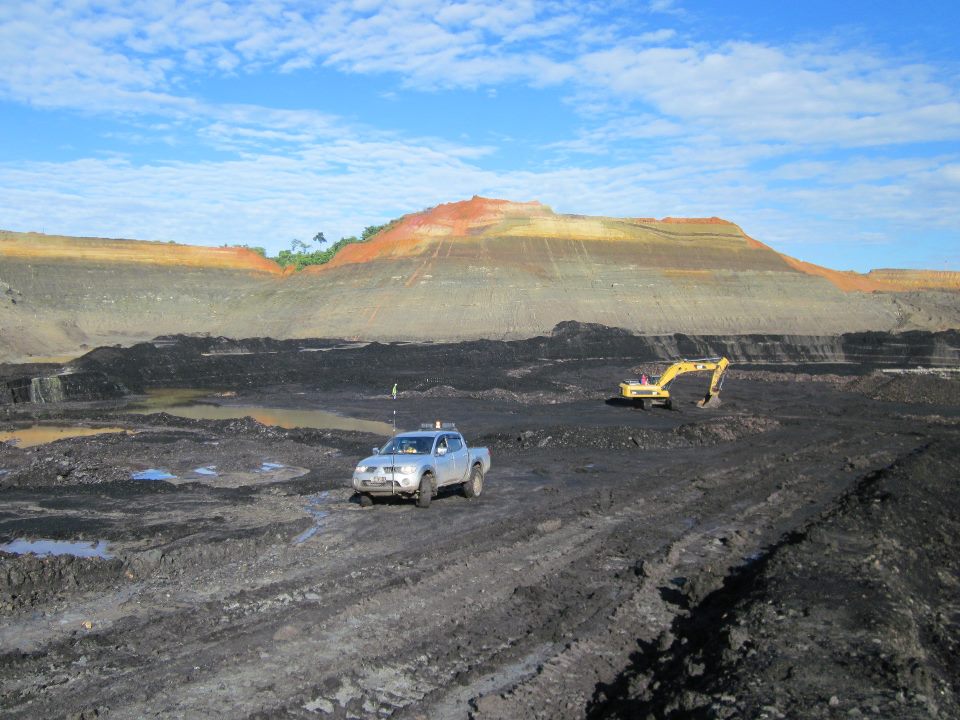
{"x": 856, "y": 615}
{"x": 189, "y": 361}
{"x": 910, "y": 388}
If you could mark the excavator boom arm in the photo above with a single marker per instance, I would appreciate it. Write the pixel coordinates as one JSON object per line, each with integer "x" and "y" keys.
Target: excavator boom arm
{"x": 659, "y": 389}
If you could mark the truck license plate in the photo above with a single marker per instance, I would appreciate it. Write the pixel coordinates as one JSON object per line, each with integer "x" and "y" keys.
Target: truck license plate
{"x": 378, "y": 481}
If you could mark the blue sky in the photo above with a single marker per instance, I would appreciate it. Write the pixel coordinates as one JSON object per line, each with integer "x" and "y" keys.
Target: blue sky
{"x": 830, "y": 131}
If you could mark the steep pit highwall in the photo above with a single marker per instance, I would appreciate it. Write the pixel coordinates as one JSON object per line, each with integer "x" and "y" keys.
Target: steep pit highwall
{"x": 461, "y": 271}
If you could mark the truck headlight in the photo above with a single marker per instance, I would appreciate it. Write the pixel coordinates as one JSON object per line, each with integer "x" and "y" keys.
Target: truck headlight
{"x": 408, "y": 469}
{"x": 362, "y": 469}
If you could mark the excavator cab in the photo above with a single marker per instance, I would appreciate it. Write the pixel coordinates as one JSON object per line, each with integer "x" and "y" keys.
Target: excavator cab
{"x": 656, "y": 390}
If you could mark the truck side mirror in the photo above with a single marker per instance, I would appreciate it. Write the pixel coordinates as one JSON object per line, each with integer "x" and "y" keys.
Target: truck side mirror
{"x": 376, "y": 451}
{"x": 441, "y": 451}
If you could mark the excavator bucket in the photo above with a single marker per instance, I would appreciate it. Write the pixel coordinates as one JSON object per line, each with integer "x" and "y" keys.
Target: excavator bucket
{"x": 710, "y": 400}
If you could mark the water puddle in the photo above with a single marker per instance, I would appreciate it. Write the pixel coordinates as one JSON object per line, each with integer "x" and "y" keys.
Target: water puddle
{"x": 164, "y": 398}
{"x": 153, "y": 474}
{"x": 43, "y": 434}
{"x": 348, "y": 346}
{"x": 314, "y": 508}
{"x": 22, "y": 546}
{"x": 209, "y": 470}
{"x": 270, "y": 467}
{"x": 181, "y": 403}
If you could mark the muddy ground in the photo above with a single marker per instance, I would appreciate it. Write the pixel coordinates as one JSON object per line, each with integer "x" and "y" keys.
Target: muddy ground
{"x": 791, "y": 553}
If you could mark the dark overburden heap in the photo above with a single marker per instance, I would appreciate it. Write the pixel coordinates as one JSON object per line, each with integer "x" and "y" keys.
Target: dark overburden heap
{"x": 188, "y": 361}
{"x": 855, "y": 615}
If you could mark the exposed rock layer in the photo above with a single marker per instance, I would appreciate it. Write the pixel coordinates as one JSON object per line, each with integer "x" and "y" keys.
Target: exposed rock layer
{"x": 480, "y": 268}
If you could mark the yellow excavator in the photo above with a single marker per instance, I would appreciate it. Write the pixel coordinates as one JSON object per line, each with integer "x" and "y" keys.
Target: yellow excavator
{"x": 655, "y": 389}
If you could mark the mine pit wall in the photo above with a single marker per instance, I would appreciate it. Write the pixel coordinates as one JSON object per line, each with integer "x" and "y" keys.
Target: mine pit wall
{"x": 62, "y": 305}
{"x": 185, "y": 361}
{"x": 414, "y": 300}
{"x": 505, "y": 287}
{"x": 59, "y": 388}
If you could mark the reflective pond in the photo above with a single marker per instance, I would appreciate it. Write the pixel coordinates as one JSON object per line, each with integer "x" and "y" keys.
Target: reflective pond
{"x": 153, "y": 474}
{"x": 180, "y": 402}
{"x": 22, "y": 546}
{"x": 42, "y": 434}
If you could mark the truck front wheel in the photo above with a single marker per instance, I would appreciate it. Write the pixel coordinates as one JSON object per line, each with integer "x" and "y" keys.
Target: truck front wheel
{"x": 474, "y": 486}
{"x": 426, "y": 491}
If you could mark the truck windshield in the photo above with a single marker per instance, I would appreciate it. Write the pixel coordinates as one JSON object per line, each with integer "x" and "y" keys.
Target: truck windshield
{"x": 406, "y": 445}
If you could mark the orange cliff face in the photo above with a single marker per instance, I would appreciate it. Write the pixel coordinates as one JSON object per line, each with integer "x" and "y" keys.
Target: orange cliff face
{"x": 917, "y": 279}
{"x": 413, "y": 233}
{"x": 37, "y": 246}
{"x": 466, "y": 222}
{"x": 873, "y": 281}
{"x": 881, "y": 280}
{"x": 419, "y": 235}
{"x": 490, "y": 229}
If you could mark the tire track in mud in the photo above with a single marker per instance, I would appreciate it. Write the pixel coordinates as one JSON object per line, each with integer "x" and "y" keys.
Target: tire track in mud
{"x": 558, "y": 557}
{"x": 737, "y": 641}
{"x": 672, "y": 577}
{"x": 531, "y": 601}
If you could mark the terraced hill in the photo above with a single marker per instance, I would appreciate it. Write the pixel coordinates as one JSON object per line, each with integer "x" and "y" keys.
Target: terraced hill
{"x": 479, "y": 268}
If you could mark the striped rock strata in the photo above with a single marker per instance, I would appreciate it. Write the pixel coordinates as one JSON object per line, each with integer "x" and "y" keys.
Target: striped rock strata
{"x": 479, "y": 268}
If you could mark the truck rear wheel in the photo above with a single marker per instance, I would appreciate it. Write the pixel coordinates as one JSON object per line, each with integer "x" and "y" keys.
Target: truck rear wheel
{"x": 426, "y": 491}
{"x": 474, "y": 486}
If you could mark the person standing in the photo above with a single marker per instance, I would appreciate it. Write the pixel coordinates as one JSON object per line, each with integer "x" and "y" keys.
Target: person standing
{"x": 394, "y": 391}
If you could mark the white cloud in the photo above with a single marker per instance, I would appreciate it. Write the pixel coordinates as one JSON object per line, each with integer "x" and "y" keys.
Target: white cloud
{"x": 136, "y": 58}
{"x": 773, "y": 137}
{"x": 799, "y": 95}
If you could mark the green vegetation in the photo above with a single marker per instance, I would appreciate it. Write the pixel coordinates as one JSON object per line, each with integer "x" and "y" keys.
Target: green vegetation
{"x": 257, "y": 249}
{"x": 300, "y": 255}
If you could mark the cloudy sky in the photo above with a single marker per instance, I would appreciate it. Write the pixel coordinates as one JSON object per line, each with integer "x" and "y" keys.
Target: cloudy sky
{"x": 828, "y": 130}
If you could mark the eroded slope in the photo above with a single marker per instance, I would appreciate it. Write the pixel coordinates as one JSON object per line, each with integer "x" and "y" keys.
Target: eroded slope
{"x": 465, "y": 270}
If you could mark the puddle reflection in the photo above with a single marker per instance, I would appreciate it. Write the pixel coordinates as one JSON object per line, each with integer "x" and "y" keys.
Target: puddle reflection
{"x": 22, "y": 546}
{"x": 180, "y": 403}
{"x": 313, "y": 508}
{"x": 43, "y": 434}
{"x": 270, "y": 467}
{"x": 153, "y": 474}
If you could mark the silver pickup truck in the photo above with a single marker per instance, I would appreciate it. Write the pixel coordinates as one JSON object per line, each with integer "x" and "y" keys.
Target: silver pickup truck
{"x": 416, "y": 464}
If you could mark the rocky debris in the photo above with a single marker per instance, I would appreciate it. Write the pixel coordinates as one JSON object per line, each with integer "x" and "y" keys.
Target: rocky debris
{"x": 910, "y": 388}
{"x": 60, "y": 387}
{"x": 61, "y": 469}
{"x": 834, "y": 380}
{"x": 726, "y": 429}
{"x": 26, "y": 580}
{"x": 850, "y": 616}
{"x": 584, "y": 437}
{"x": 9, "y": 295}
{"x": 568, "y": 393}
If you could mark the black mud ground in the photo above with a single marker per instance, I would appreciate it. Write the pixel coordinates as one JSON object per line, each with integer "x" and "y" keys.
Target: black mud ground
{"x": 792, "y": 553}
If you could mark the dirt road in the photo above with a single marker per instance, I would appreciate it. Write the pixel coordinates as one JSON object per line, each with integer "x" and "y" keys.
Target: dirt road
{"x": 790, "y": 554}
